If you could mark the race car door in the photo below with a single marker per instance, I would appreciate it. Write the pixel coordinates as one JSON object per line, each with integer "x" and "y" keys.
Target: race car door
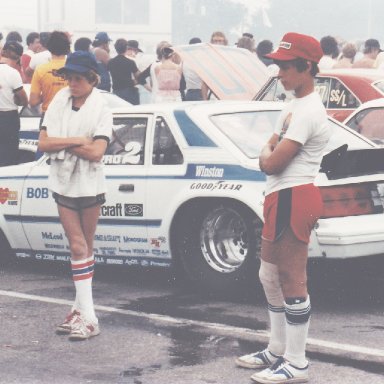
{"x": 166, "y": 176}
{"x": 121, "y": 236}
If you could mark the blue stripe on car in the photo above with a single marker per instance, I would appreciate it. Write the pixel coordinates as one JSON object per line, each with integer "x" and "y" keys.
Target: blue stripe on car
{"x": 103, "y": 221}
{"x": 193, "y": 134}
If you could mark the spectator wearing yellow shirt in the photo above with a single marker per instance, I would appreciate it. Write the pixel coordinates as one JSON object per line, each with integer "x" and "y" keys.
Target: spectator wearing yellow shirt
{"x": 45, "y": 84}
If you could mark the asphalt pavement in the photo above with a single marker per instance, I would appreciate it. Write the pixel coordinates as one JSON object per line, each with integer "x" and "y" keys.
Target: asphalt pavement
{"x": 157, "y": 331}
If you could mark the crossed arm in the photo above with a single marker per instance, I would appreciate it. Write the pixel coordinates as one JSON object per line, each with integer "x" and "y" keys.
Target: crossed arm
{"x": 275, "y": 156}
{"x": 83, "y": 147}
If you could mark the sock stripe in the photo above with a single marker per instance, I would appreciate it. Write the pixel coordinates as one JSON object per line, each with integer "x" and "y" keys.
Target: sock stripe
{"x": 277, "y": 309}
{"x": 297, "y": 316}
{"x": 83, "y": 271}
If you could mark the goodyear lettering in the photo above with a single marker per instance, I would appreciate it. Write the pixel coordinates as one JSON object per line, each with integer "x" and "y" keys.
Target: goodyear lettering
{"x": 37, "y": 193}
{"x": 217, "y": 185}
{"x": 112, "y": 210}
{"x": 203, "y": 171}
{"x": 51, "y": 236}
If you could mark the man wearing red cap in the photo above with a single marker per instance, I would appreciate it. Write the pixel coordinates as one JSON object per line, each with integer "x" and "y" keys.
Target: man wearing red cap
{"x": 291, "y": 159}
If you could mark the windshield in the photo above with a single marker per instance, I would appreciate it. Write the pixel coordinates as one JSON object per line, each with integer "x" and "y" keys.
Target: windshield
{"x": 369, "y": 122}
{"x": 379, "y": 85}
{"x": 249, "y": 131}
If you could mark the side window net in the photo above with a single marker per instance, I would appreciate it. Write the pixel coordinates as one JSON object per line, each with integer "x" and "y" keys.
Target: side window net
{"x": 165, "y": 148}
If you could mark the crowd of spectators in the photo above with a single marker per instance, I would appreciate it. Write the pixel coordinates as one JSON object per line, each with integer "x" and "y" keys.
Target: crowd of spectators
{"x": 123, "y": 71}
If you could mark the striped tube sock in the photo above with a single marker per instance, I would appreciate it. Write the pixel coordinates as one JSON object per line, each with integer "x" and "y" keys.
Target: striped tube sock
{"x": 277, "y": 337}
{"x": 297, "y": 313}
{"x": 82, "y": 271}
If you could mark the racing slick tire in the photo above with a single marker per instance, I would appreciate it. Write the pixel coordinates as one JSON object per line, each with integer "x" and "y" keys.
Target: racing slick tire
{"x": 218, "y": 244}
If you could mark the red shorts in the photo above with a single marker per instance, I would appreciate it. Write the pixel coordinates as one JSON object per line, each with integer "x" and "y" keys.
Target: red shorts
{"x": 297, "y": 207}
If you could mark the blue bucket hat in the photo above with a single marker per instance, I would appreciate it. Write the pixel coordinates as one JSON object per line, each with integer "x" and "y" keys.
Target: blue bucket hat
{"x": 102, "y": 37}
{"x": 80, "y": 62}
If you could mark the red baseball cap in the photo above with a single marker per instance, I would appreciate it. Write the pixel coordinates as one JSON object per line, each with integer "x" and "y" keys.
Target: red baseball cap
{"x": 295, "y": 45}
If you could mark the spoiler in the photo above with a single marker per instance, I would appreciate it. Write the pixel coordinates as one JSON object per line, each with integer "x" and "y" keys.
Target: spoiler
{"x": 341, "y": 163}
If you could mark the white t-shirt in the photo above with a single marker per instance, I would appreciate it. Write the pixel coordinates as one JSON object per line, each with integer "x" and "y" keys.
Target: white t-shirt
{"x": 39, "y": 58}
{"x": 10, "y": 80}
{"x": 305, "y": 121}
{"x": 192, "y": 80}
{"x": 87, "y": 179}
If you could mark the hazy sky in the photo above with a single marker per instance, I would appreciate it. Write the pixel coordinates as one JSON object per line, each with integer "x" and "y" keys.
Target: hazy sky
{"x": 359, "y": 19}
{"x": 11, "y": 14}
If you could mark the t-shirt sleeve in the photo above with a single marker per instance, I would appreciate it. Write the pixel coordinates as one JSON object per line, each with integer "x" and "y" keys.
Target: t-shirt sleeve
{"x": 300, "y": 128}
{"x": 33, "y": 63}
{"x": 105, "y": 124}
{"x": 48, "y": 115}
{"x": 16, "y": 81}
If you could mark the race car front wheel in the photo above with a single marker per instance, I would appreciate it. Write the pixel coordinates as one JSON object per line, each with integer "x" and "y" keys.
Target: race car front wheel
{"x": 219, "y": 242}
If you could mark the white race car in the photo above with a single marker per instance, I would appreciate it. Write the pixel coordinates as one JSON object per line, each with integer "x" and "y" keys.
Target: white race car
{"x": 185, "y": 187}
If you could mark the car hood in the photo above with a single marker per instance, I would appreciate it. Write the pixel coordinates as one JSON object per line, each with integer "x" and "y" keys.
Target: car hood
{"x": 231, "y": 73}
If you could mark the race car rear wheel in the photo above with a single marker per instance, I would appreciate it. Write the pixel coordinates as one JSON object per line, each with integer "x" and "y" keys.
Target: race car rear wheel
{"x": 219, "y": 242}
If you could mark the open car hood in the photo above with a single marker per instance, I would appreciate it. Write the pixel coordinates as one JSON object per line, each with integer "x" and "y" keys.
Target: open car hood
{"x": 231, "y": 73}
{"x": 341, "y": 163}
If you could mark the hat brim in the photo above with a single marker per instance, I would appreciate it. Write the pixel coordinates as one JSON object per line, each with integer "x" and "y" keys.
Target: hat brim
{"x": 135, "y": 48}
{"x": 281, "y": 56}
{"x": 74, "y": 68}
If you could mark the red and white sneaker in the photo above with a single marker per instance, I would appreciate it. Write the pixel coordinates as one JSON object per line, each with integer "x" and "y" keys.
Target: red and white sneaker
{"x": 65, "y": 327}
{"x": 82, "y": 329}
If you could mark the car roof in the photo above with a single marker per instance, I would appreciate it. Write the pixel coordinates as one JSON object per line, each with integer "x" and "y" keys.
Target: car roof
{"x": 205, "y": 107}
{"x": 371, "y": 74}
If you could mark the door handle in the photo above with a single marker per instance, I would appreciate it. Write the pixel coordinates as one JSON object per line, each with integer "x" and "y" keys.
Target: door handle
{"x": 126, "y": 188}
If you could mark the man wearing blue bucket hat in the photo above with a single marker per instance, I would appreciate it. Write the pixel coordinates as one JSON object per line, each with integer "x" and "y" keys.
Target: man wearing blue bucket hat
{"x": 75, "y": 133}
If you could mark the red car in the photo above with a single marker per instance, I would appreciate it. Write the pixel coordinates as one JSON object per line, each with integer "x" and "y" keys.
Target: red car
{"x": 342, "y": 90}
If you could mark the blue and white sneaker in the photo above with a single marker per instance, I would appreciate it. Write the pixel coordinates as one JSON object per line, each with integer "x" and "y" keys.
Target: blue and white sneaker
{"x": 281, "y": 372}
{"x": 257, "y": 360}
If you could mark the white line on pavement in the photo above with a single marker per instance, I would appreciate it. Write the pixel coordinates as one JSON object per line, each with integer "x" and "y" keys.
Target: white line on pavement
{"x": 313, "y": 345}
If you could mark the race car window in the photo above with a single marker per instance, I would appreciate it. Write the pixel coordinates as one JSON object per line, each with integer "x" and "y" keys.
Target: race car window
{"x": 249, "y": 131}
{"x": 369, "y": 123}
{"x": 128, "y": 141}
{"x": 379, "y": 85}
{"x": 165, "y": 148}
{"x": 322, "y": 85}
{"x": 340, "y": 97}
{"x": 276, "y": 92}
